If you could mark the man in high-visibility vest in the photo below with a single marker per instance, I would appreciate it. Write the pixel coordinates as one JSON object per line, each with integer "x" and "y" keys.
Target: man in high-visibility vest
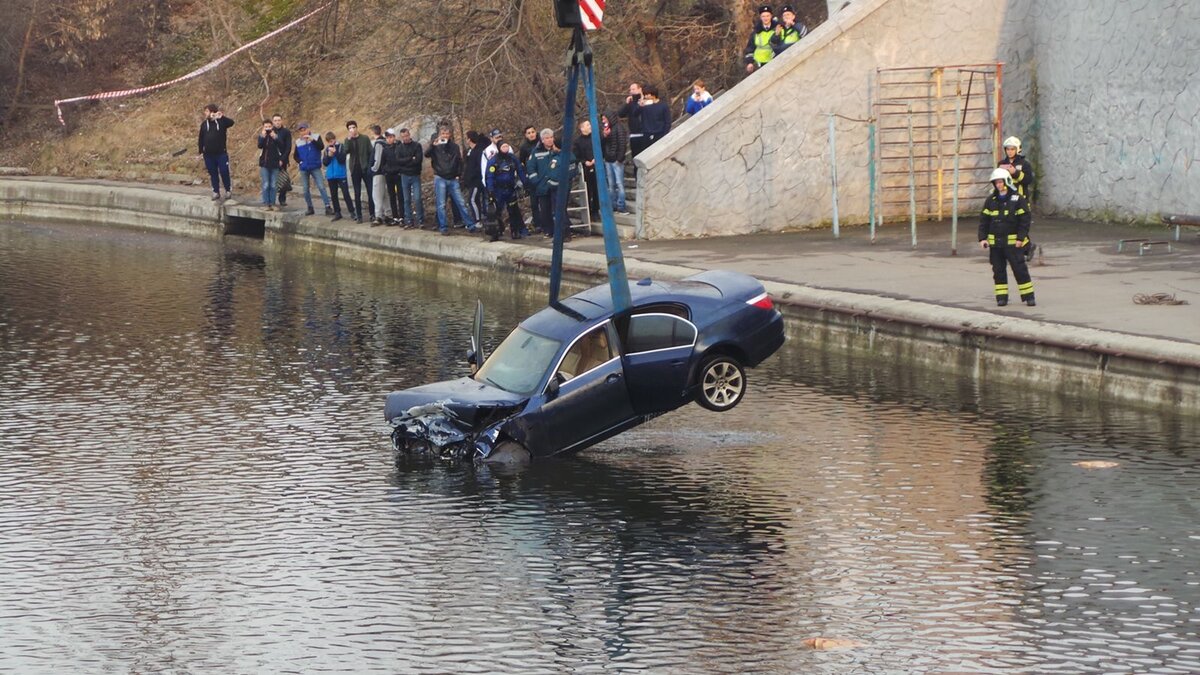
{"x": 788, "y": 32}
{"x": 758, "y": 49}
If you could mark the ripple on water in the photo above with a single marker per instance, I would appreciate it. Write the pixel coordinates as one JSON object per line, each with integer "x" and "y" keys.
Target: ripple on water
{"x": 197, "y": 477}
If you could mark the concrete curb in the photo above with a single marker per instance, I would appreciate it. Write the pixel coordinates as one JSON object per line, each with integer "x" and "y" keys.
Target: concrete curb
{"x": 1072, "y": 360}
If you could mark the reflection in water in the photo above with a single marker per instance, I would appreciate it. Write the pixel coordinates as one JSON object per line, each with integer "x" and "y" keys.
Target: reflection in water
{"x": 197, "y": 477}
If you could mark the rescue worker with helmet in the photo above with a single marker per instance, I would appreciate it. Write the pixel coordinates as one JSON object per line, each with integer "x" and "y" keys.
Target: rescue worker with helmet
{"x": 1004, "y": 229}
{"x": 758, "y": 51}
{"x": 1022, "y": 177}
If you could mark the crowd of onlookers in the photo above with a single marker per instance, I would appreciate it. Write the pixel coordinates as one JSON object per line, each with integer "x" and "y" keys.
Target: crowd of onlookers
{"x": 375, "y": 175}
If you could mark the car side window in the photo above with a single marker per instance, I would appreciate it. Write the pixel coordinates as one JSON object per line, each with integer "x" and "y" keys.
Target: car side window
{"x": 589, "y": 351}
{"x": 650, "y": 332}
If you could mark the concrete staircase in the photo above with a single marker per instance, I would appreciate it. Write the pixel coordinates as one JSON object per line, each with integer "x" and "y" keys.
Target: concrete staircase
{"x": 626, "y": 222}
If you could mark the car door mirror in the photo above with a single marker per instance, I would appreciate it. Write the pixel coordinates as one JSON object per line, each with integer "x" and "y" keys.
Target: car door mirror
{"x": 553, "y": 387}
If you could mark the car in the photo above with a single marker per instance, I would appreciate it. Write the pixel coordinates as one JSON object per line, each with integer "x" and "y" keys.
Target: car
{"x": 577, "y": 372}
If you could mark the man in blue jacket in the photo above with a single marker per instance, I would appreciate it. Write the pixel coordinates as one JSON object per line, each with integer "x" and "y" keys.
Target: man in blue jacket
{"x": 308, "y": 158}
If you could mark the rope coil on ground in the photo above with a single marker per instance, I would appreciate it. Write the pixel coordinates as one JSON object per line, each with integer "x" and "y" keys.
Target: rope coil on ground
{"x": 1157, "y": 299}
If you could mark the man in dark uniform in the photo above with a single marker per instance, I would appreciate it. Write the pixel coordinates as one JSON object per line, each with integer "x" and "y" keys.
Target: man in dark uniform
{"x": 1004, "y": 228}
{"x": 1022, "y": 177}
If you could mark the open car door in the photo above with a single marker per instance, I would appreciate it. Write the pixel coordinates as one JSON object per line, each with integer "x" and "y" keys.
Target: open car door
{"x": 477, "y": 355}
{"x": 657, "y": 351}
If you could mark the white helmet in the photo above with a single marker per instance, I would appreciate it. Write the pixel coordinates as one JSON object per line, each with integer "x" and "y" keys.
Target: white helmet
{"x": 1013, "y": 142}
{"x": 1000, "y": 174}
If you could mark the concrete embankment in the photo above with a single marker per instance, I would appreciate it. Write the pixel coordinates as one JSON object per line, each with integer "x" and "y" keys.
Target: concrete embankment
{"x": 1070, "y": 360}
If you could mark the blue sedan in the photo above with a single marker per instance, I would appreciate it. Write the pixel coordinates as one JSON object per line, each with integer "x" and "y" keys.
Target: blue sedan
{"x": 576, "y": 373}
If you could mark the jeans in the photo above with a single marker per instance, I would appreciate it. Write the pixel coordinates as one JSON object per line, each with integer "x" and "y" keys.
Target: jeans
{"x": 336, "y": 184}
{"x": 614, "y": 173}
{"x": 217, "y": 164}
{"x": 410, "y": 188}
{"x": 357, "y": 176}
{"x": 315, "y": 175}
{"x": 268, "y": 176}
{"x": 440, "y": 187}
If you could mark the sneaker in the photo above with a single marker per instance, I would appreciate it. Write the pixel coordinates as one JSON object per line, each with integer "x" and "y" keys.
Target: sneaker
{"x": 216, "y": 196}
{"x": 444, "y": 233}
{"x": 358, "y": 219}
{"x": 309, "y": 211}
{"x": 329, "y": 210}
{"x": 474, "y": 230}
{"x": 228, "y": 195}
{"x": 336, "y": 217}
{"x": 375, "y": 223}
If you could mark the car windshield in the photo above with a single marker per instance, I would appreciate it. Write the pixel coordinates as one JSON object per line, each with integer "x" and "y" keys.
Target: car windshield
{"x": 519, "y": 363}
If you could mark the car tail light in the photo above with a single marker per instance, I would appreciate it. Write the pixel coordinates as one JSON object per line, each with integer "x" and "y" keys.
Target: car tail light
{"x": 761, "y": 301}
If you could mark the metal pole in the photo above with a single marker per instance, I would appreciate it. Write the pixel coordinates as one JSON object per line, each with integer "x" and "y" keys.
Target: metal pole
{"x": 941, "y": 173}
{"x": 957, "y": 155}
{"x": 912, "y": 181}
{"x": 617, "y": 281}
{"x": 833, "y": 174}
{"x": 871, "y": 178}
{"x": 564, "y": 176}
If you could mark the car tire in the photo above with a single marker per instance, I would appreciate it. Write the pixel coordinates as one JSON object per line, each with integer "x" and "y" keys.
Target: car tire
{"x": 722, "y": 383}
{"x": 509, "y": 453}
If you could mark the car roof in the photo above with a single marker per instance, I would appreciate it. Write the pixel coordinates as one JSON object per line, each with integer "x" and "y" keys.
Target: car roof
{"x": 595, "y": 304}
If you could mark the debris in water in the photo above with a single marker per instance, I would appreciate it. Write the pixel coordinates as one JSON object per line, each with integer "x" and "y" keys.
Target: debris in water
{"x": 829, "y": 643}
{"x": 1096, "y": 464}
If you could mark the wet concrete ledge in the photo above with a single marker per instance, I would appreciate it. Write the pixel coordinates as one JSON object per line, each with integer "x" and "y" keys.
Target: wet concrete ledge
{"x": 1069, "y": 360}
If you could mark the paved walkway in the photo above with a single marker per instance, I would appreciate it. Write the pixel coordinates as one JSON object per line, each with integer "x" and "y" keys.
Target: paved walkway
{"x": 1080, "y": 278}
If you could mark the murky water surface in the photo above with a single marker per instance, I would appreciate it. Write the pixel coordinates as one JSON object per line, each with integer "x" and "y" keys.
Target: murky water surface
{"x": 196, "y": 477}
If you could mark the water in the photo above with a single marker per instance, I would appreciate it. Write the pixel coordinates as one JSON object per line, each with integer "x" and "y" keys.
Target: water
{"x": 196, "y": 477}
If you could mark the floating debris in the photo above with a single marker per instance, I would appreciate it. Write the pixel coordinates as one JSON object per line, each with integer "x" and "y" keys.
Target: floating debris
{"x": 1097, "y": 464}
{"x": 829, "y": 643}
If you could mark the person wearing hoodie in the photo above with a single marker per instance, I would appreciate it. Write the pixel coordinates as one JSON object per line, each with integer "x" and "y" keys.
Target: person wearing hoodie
{"x": 334, "y": 159}
{"x": 213, "y": 150}
{"x": 308, "y": 158}
{"x": 447, "y": 161}
{"x": 503, "y": 176}
{"x": 358, "y": 165}
{"x": 378, "y": 182}
{"x": 614, "y": 140}
{"x": 472, "y": 177}
{"x": 581, "y": 149}
{"x": 758, "y": 52}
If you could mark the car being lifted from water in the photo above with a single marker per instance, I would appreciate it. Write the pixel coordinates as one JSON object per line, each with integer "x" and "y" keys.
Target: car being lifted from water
{"x": 576, "y": 373}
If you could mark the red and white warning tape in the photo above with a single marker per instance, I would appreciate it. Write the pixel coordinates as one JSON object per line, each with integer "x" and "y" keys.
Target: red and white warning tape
{"x": 195, "y": 73}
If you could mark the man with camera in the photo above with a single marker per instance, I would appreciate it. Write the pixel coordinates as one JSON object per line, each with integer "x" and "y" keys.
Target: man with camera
{"x": 308, "y": 158}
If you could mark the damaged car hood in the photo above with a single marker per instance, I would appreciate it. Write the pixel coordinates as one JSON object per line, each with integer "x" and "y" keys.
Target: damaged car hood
{"x": 466, "y": 399}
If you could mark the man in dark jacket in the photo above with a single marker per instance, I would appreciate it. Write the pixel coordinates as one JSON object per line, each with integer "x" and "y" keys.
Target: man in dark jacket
{"x": 358, "y": 165}
{"x": 655, "y": 115}
{"x": 446, "y": 160}
{"x": 308, "y": 158}
{"x": 581, "y": 149}
{"x": 613, "y": 142}
{"x": 213, "y": 150}
{"x": 391, "y": 165}
{"x": 542, "y": 173}
{"x": 527, "y": 144}
{"x": 270, "y": 160}
{"x": 631, "y": 111}
{"x": 1004, "y": 228}
{"x": 472, "y": 178}
{"x": 411, "y": 155}
{"x": 284, "y": 136}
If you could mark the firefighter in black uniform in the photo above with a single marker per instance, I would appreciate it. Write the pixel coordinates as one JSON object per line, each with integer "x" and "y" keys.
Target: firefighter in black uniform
{"x": 1004, "y": 228}
{"x": 1022, "y": 177}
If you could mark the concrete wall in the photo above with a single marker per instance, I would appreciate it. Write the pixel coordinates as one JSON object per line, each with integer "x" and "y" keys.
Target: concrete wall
{"x": 1107, "y": 93}
{"x": 1103, "y": 93}
{"x": 758, "y": 158}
